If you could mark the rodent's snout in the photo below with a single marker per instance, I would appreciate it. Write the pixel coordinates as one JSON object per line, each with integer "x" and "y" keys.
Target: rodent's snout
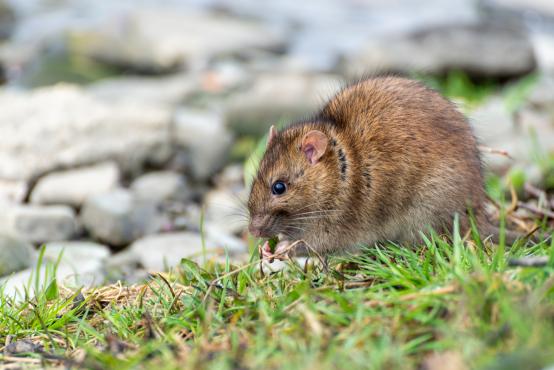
{"x": 259, "y": 226}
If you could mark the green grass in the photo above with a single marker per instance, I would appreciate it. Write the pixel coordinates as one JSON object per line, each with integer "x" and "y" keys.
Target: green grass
{"x": 458, "y": 85}
{"x": 388, "y": 308}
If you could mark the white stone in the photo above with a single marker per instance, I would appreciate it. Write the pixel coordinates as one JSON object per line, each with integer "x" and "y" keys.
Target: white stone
{"x": 541, "y": 6}
{"x": 61, "y": 126}
{"x": 158, "y": 252}
{"x": 542, "y": 94}
{"x": 225, "y": 76}
{"x": 12, "y": 191}
{"x": 486, "y": 48}
{"x": 219, "y": 237}
{"x": 492, "y": 121}
{"x": 38, "y": 224}
{"x": 15, "y": 255}
{"x": 125, "y": 266}
{"x": 118, "y": 217}
{"x": 158, "y": 39}
{"x": 275, "y": 97}
{"x": 161, "y": 186}
{"x": 72, "y": 187}
{"x": 170, "y": 90}
{"x": 495, "y": 128}
{"x": 543, "y": 44}
{"x": 87, "y": 274}
{"x": 538, "y": 128}
{"x": 231, "y": 177}
{"x": 82, "y": 262}
{"x": 74, "y": 253}
{"x": 204, "y": 136}
{"x": 327, "y": 29}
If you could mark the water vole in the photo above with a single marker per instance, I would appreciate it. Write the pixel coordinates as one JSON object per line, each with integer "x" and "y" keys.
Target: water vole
{"x": 385, "y": 159}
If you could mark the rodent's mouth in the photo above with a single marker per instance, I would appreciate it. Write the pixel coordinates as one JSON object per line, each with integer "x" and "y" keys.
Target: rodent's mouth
{"x": 262, "y": 226}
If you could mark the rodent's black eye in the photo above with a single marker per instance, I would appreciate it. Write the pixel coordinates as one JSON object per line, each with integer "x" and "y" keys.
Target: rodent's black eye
{"x": 278, "y": 188}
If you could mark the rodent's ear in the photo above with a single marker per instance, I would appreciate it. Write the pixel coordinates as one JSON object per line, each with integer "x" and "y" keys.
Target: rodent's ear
{"x": 314, "y": 144}
{"x": 272, "y": 135}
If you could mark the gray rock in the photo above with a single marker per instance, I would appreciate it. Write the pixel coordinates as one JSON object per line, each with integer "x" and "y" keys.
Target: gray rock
{"x": 87, "y": 274}
{"x": 16, "y": 285}
{"x": 170, "y": 90}
{"x": 62, "y": 127}
{"x": 81, "y": 263}
{"x": 543, "y": 45}
{"x": 277, "y": 97}
{"x": 538, "y": 127}
{"x": 161, "y": 186}
{"x": 38, "y": 224}
{"x": 218, "y": 237}
{"x": 492, "y": 121}
{"x": 539, "y": 20}
{"x": 7, "y": 20}
{"x": 496, "y": 128}
{"x": 125, "y": 266}
{"x": 225, "y": 75}
{"x": 544, "y": 7}
{"x": 118, "y": 217}
{"x": 231, "y": 177}
{"x": 15, "y": 255}
{"x": 326, "y": 29}
{"x": 487, "y": 49}
{"x": 72, "y": 187}
{"x": 74, "y": 253}
{"x": 158, "y": 252}
{"x": 158, "y": 39}
{"x": 12, "y": 191}
{"x": 542, "y": 94}
{"x": 204, "y": 136}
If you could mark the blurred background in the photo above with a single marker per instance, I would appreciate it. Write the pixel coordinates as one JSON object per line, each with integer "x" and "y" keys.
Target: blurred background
{"x": 128, "y": 127}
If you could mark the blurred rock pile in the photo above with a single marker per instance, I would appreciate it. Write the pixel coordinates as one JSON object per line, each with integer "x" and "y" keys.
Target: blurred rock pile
{"x": 115, "y": 165}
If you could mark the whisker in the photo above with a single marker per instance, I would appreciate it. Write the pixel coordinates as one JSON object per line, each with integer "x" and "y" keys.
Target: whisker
{"x": 241, "y": 202}
{"x": 313, "y": 215}
{"x": 295, "y": 227}
{"x": 307, "y": 218}
{"x": 319, "y": 211}
{"x": 288, "y": 234}
{"x": 309, "y": 205}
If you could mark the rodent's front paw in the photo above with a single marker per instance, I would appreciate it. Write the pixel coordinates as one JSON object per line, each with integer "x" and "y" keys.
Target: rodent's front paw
{"x": 265, "y": 251}
{"x": 280, "y": 253}
{"x": 282, "y": 248}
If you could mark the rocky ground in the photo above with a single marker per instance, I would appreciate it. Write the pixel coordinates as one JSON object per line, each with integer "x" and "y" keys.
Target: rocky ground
{"x": 124, "y": 125}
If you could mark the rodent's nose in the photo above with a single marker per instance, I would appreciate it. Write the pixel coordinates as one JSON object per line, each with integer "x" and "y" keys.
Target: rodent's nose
{"x": 258, "y": 226}
{"x": 254, "y": 231}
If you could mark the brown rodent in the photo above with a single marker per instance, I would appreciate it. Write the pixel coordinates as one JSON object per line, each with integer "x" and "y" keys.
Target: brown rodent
{"x": 384, "y": 160}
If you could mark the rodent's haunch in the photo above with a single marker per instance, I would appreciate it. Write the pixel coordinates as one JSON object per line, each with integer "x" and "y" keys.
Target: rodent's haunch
{"x": 384, "y": 160}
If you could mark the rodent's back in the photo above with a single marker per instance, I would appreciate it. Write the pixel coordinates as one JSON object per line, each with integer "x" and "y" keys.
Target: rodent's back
{"x": 417, "y": 152}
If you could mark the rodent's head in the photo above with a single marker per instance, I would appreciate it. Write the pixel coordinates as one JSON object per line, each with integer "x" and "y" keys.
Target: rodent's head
{"x": 295, "y": 187}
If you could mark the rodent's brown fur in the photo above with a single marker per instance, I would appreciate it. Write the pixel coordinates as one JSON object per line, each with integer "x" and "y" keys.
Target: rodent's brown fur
{"x": 401, "y": 158}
